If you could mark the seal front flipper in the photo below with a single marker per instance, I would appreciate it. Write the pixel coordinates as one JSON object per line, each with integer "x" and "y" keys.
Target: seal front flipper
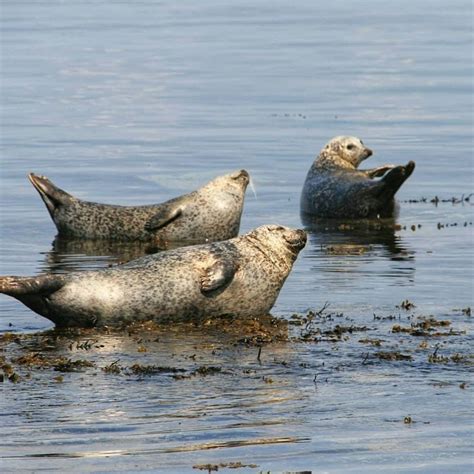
{"x": 218, "y": 275}
{"x": 52, "y": 196}
{"x": 378, "y": 172}
{"x": 165, "y": 216}
{"x": 392, "y": 181}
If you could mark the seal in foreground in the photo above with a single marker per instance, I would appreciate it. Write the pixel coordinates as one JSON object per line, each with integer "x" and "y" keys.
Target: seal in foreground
{"x": 208, "y": 214}
{"x": 240, "y": 277}
{"x": 335, "y": 188}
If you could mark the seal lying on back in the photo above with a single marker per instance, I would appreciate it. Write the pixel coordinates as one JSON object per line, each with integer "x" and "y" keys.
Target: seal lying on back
{"x": 240, "y": 277}
{"x": 211, "y": 213}
{"x": 335, "y": 188}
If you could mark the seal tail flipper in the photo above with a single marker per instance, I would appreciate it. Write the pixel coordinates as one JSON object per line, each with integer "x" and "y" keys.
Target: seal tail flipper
{"x": 52, "y": 196}
{"x": 33, "y": 292}
{"x": 18, "y": 286}
{"x": 392, "y": 181}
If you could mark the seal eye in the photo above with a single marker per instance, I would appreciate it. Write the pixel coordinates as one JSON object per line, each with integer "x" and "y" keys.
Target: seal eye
{"x": 350, "y": 147}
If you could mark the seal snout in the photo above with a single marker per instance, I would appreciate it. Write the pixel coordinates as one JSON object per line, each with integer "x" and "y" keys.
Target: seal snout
{"x": 368, "y": 152}
{"x": 409, "y": 168}
{"x": 242, "y": 174}
{"x": 297, "y": 239}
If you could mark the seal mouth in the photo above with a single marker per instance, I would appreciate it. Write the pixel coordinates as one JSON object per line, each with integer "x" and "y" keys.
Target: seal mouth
{"x": 36, "y": 181}
{"x": 297, "y": 240}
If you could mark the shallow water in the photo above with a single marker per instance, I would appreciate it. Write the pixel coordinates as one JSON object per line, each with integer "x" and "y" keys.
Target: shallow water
{"x": 136, "y": 103}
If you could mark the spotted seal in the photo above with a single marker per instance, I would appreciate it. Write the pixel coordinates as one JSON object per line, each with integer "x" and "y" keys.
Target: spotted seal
{"x": 336, "y": 188}
{"x": 240, "y": 277}
{"x": 208, "y": 214}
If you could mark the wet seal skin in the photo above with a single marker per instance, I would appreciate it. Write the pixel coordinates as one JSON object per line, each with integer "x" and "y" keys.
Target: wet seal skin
{"x": 208, "y": 214}
{"x": 241, "y": 277}
{"x": 336, "y": 188}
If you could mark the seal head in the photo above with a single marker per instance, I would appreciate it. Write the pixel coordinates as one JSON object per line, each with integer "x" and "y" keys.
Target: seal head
{"x": 343, "y": 152}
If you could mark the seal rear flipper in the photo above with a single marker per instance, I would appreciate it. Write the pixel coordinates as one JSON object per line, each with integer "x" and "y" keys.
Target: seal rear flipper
{"x": 392, "y": 181}
{"x": 18, "y": 286}
{"x": 33, "y": 291}
{"x": 164, "y": 216}
{"x": 218, "y": 275}
{"x": 52, "y": 196}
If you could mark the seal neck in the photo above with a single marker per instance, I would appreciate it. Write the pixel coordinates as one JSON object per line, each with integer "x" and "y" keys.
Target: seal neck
{"x": 327, "y": 161}
{"x": 279, "y": 262}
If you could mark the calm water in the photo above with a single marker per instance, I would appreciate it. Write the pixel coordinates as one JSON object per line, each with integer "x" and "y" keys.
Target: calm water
{"x": 137, "y": 102}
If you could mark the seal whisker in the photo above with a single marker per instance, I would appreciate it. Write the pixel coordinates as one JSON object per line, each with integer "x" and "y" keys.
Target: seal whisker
{"x": 252, "y": 187}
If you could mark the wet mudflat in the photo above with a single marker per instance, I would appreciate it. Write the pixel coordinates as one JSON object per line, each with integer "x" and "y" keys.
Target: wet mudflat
{"x": 366, "y": 364}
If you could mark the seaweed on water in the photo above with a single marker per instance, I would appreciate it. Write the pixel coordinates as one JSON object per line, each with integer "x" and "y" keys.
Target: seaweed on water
{"x": 373, "y": 342}
{"x": 425, "y": 327}
{"x": 69, "y": 365}
{"x": 393, "y": 356}
{"x": 406, "y": 305}
{"x": 139, "y": 369}
{"x": 112, "y": 368}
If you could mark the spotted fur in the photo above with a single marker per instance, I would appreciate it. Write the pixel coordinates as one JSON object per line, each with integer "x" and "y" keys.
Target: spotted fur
{"x": 208, "y": 214}
{"x": 240, "y": 277}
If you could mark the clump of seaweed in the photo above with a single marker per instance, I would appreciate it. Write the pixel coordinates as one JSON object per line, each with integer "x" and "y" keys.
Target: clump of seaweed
{"x": 203, "y": 371}
{"x": 373, "y": 342}
{"x": 69, "y": 365}
{"x": 59, "y": 364}
{"x": 139, "y": 369}
{"x": 426, "y": 327}
{"x": 228, "y": 465}
{"x": 393, "y": 356}
{"x": 9, "y": 373}
{"x": 436, "y": 200}
{"x": 113, "y": 368}
{"x": 406, "y": 305}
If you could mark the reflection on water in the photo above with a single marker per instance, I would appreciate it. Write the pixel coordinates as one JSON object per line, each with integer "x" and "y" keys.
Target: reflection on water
{"x": 348, "y": 251}
{"x": 69, "y": 255}
{"x": 339, "y": 235}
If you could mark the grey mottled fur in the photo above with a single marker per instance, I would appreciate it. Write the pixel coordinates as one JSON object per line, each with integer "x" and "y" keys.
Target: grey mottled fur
{"x": 241, "y": 277}
{"x": 208, "y": 214}
{"x": 336, "y": 188}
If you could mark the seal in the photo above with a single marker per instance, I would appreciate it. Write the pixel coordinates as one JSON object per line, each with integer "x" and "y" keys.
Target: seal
{"x": 241, "y": 277}
{"x": 208, "y": 214}
{"x": 336, "y": 188}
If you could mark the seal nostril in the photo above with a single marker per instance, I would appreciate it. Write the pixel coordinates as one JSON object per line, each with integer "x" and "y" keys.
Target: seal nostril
{"x": 244, "y": 174}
